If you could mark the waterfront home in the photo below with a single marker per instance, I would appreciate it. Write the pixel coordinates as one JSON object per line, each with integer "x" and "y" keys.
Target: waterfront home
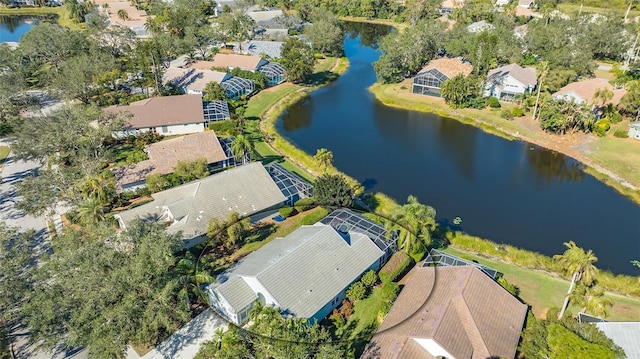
{"x": 506, "y": 82}
{"x": 123, "y": 13}
{"x": 431, "y": 77}
{"x": 243, "y": 62}
{"x": 623, "y": 334}
{"x": 583, "y": 92}
{"x": 164, "y": 156}
{"x": 634, "y": 130}
{"x": 305, "y": 274}
{"x": 248, "y": 190}
{"x": 450, "y": 312}
{"x": 194, "y": 81}
{"x": 272, "y": 49}
{"x": 165, "y": 115}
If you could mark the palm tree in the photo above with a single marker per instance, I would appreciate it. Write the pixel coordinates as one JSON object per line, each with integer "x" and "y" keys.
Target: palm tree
{"x": 575, "y": 260}
{"x": 324, "y": 157}
{"x": 241, "y": 148}
{"x": 602, "y": 95}
{"x": 417, "y": 220}
{"x": 91, "y": 212}
{"x": 123, "y": 15}
{"x": 543, "y": 72}
{"x": 190, "y": 276}
{"x": 626, "y": 14}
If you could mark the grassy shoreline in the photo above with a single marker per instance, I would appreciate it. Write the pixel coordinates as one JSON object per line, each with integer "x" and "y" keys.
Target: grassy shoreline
{"x": 625, "y": 178}
{"x": 61, "y": 13}
{"x": 270, "y": 112}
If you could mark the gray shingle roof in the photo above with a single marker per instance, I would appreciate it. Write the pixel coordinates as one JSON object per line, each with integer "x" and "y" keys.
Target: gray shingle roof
{"x": 246, "y": 189}
{"x": 307, "y": 269}
{"x": 237, "y": 293}
{"x": 525, "y": 75}
{"x": 273, "y": 49}
{"x": 624, "y": 335}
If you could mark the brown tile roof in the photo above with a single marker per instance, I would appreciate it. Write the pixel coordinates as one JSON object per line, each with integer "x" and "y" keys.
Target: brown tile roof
{"x": 525, "y": 75}
{"x": 164, "y": 156}
{"x": 192, "y": 78}
{"x": 163, "y": 111}
{"x": 135, "y": 17}
{"x": 460, "y": 308}
{"x": 453, "y": 4}
{"x": 586, "y": 90}
{"x": 523, "y": 11}
{"x": 200, "y": 65}
{"x": 449, "y": 67}
{"x": 245, "y": 62}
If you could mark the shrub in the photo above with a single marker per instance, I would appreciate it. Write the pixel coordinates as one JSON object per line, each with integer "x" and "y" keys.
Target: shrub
{"x": 621, "y": 134}
{"x": 369, "y": 279}
{"x": 390, "y": 291}
{"x": 493, "y": 102}
{"x": 356, "y": 292}
{"x": 601, "y": 127}
{"x": 517, "y": 112}
{"x": 383, "y": 311}
{"x": 398, "y": 265}
{"x": 506, "y": 114}
{"x": 476, "y": 102}
{"x": 614, "y": 117}
{"x": 304, "y": 204}
{"x": 514, "y": 290}
{"x": 226, "y": 127}
{"x": 286, "y": 211}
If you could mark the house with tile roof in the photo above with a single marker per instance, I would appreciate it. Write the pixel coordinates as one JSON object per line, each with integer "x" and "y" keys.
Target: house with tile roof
{"x": 248, "y": 190}
{"x": 191, "y": 80}
{"x": 431, "y": 77}
{"x": 583, "y": 92}
{"x": 165, "y": 115}
{"x": 507, "y": 81}
{"x": 450, "y": 312}
{"x": 135, "y": 19}
{"x": 305, "y": 274}
{"x": 164, "y": 156}
{"x": 243, "y": 62}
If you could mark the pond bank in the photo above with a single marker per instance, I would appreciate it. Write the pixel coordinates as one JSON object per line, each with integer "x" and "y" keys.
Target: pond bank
{"x": 611, "y": 160}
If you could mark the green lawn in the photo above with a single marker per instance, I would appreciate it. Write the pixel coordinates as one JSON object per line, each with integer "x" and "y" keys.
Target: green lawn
{"x": 364, "y": 321}
{"x": 543, "y": 291}
{"x": 60, "y": 11}
{"x": 573, "y": 9}
{"x": 4, "y": 153}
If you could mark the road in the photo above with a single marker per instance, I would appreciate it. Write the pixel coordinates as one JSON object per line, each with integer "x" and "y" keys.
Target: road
{"x": 14, "y": 171}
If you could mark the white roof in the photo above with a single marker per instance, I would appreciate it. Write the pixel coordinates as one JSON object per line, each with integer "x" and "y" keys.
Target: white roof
{"x": 625, "y": 335}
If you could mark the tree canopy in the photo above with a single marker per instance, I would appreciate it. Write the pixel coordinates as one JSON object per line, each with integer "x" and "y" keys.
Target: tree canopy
{"x": 297, "y": 59}
{"x": 333, "y": 191}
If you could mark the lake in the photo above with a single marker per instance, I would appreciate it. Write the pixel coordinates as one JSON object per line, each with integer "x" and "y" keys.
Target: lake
{"x": 13, "y": 27}
{"x": 508, "y": 191}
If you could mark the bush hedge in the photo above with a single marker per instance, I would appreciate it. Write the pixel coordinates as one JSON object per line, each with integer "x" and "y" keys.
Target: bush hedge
{"x": 517, "y": 112}
{"x": 493, "y": 102}
{"x": 314, "y": 217}
{"x": 506, "y": 114}
{"x": 304, "y": 204}
{"x": 286, "y": 211}
{"x": 619, "y": 283}
{"x": 398, "y": 265}
{"x": 621, "y": 134}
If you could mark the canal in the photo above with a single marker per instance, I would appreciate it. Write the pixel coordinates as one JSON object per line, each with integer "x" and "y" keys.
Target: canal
{"x": 13, "y": 27}
{"x": 508, "y": 191}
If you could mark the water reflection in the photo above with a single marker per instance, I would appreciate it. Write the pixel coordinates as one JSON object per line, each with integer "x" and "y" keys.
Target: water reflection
{"x": 369, "y": 34}
{"x": 549, "y": 166}
{"x": 297, "y": 118}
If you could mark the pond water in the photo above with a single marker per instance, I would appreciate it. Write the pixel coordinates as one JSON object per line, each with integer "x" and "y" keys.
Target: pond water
{"x": 507, "y": 191}
{"x": 13, "y": 27}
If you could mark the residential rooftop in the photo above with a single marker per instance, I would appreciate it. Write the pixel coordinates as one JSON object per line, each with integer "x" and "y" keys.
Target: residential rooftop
{"x": 525, "y": 75}
{"x": 162, "y": 111}
{"x": 450, "y": 67}
{"x": 246, "y": 62}
{"x": 586, "y": 90}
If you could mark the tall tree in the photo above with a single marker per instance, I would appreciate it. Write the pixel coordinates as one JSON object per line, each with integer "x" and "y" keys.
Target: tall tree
{"x": 333, "y": 191}
{"x": 543, "y": 71}
{"x": 214, "y": 91}
{"x": 459, "y": 90}
{"x": 580, "y": 264}
{"x": 416, "y": 221}
{"x": 297, "y": 59}
{"x": 241, "y": 147}
{"x": 190, "y": 277}
{"x": 325, "y": 33}
{"x": 602, "y": 95}
{"x": 107, "y": 290}
{"x": 324, "y": 157}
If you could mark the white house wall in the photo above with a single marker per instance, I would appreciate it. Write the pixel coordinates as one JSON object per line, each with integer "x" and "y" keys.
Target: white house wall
{"x": 510, "y": 85}
{"x": 570, "y": 97}
{"x": 257, "y": 287}
{"x": 222, "y": 307}
{"x": 180, "y": 129}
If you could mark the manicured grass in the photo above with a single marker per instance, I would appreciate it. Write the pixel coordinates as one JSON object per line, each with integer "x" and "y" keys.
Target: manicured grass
{"x": 364, "y": 319}
{"x": 261, "y": 102}
{"x": 61, "y": 12}
{"x": 543, "y": 291}
{"x": 604, "y": 74}
{"x": 573, "y": 9}
{"x": 282, "y": 230}
{"x": 4, "y": 153}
